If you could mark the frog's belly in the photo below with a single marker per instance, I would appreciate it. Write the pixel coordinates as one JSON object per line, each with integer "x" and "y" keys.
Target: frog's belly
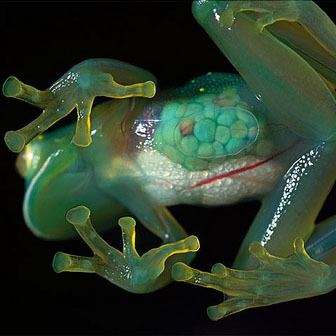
{"x": 168, "y": 183}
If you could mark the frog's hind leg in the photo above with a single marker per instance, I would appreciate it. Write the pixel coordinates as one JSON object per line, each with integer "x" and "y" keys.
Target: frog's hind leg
{"x": 126, "y": 269}
{"x": 268, "y": 269}
{"x": 321, "y": 245}
{"x": 272, "y": 265}
{"x": 269, "y": 61}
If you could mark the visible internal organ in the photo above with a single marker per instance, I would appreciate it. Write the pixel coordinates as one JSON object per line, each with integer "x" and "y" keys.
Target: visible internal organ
{"x": 237, "y": 171}
{"x": 169, "y": 183}
{"x": 196, "y": 131}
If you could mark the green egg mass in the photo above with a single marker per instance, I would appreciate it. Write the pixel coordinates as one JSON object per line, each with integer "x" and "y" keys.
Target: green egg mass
{"x": 205, "y": 130}
{"x": 197, "y": 130}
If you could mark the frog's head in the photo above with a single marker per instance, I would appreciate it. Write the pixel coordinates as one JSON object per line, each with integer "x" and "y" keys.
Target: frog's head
{"x": 40, "y": 163}
{"x": 58, "y": 177}
{"x": 30, "y": 161}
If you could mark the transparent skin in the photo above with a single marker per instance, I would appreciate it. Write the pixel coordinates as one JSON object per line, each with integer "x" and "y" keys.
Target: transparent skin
{"x": 217, "y": 140}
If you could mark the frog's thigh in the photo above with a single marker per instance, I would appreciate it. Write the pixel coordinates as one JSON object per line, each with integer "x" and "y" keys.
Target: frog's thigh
{"x": 290, "y": 210}
{"x": 155, "y": 218}
{"x": 293, "y": 91}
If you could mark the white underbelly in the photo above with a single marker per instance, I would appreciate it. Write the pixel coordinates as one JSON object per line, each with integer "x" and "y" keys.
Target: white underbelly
{"x": 168, "y": 183}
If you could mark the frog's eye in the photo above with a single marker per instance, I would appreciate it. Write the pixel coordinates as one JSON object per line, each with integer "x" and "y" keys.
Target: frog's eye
{"x": 192, "y": 132}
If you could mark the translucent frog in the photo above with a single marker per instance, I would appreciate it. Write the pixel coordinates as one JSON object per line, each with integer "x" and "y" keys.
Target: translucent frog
{"x": 267, "y": 134}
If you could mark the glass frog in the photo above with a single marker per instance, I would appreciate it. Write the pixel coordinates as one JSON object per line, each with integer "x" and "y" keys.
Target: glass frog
{"x": 265, "y": 134}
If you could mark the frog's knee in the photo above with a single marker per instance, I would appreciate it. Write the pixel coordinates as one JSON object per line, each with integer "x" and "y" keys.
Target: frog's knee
{"x": 203, "y": 9}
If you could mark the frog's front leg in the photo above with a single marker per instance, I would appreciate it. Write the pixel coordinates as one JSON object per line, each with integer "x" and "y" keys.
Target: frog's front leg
{"x": 298, "y": 95}
{"x": 128, "y": 270}
{"x": 77, "y": 88}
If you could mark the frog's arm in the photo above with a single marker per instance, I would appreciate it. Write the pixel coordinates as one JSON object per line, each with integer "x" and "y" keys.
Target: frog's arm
{"x": 128, "y": 270}
{"x": 299, "y": 97}
{"x": 77, "y": 88}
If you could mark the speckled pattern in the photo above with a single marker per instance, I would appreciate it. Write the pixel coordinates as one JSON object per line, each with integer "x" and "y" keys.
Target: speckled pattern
{"x": 169, "y": 183}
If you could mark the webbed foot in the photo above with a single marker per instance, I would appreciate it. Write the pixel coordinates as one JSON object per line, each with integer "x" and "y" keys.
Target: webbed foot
{"x": 276, "y": 280}
{"x": 75, "y": 89}
{"x": 128, "y": 270}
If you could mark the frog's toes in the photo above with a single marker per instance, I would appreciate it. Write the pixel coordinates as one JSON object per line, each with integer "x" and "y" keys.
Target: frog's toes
{"x": 74, "y": 90}
{"x": 14, "y": 88}
{"x": 66, "y": 262}
{"x": 297, "y": 272}
{"x": 216, "y": 279}
{"x": 125, "y": 269}
{"x": 219, "y": 280}
{"x": 275, "y": 280}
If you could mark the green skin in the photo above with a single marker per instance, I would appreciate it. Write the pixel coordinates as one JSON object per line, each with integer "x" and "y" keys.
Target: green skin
{"x": 291, "y": 52}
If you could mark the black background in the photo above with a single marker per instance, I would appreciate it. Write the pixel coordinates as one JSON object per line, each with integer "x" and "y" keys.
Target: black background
{"x": 40, "y": 41}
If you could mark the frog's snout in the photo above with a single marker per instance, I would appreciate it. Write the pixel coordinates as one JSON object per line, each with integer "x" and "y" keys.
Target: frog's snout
{"x": 23, "y": 162}
{"x": 33, "y": 156}
{"x": 29, "y": 161}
